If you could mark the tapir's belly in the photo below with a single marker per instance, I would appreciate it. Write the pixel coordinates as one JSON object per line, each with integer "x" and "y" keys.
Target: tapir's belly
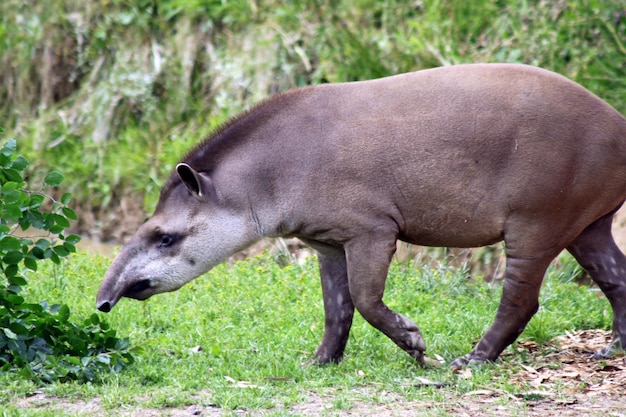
{"x": 453, "y": 228}
{"x": 453, "y": 203}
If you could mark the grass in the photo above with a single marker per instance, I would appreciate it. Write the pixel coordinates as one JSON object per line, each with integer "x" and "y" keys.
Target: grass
{"x": 237, "y": 337}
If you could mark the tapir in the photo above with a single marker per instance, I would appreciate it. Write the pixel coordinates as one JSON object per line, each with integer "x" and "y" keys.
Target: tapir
{"x": 459, "y": 156}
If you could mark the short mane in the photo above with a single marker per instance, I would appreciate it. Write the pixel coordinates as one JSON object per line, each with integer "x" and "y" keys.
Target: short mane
{"x": 219, "y": 136}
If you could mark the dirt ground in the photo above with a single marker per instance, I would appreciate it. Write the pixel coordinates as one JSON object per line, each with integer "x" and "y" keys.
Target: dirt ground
{"x": 562, "y": 381}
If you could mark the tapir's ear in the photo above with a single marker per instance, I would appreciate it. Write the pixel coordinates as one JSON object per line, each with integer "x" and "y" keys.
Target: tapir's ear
{"x": 198, "y": 184}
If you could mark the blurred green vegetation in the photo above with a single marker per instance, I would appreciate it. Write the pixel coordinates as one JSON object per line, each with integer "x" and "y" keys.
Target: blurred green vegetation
{"x": 113, "y": 92}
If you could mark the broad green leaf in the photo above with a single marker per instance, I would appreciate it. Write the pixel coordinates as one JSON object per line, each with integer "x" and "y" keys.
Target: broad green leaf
{"x": 61, "y": 250}
{"x": 43, "y": 243}
{"x": 48, "y": 220}
{"x": 12, "y": 213}
{"x": 19, "y": 347}
{"x": 66, "y": 198}
{"x": 12, "y": 174}
{"x": 64, "y": 313}
{"x": 20, "y": 163}
{"x": 89, "y": 374}
{"x": 11, "y": 194}
{"x": 36, "y": 200}
{"x": 72, "y": 239}
{"x": 56, "y": 229}
{"x": 53, "y": 179}
{"x": 93, "y": 319}
{"x": 73, "y": 360}
{"x": 18, "y": 328}
{"x": 15, "y": 299}
{"x": 122, "y": 344}
{"x": 9, "y": 333}
{"x": 10, "y": 243}
{"x": 18, "y": 280}
{"x": 54, "y": 308}
{"x": 11, "y": 270}
{"x": 5, "y": 161}
{"x": 36, "y": 219}
{"x": 9, "y": 147}
{"x": 24, "y": 223}
{"x": 37, "y": 252}
{"x": 69, "y": 213}
{"x": 12, "y": 257}
{"x": 61, "y": 221}
{"x": 55, "y": 258}
{"x": 69, "y": 247}
{"x": 30, "y": 263}
{"x": 105, "y": 359}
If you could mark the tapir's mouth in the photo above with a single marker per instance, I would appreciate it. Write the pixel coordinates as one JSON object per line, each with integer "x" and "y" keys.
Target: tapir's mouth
{"x": 137, "y": 290}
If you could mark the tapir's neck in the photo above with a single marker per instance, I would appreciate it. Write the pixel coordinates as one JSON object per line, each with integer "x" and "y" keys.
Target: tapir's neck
{"x": 247, "y": 161}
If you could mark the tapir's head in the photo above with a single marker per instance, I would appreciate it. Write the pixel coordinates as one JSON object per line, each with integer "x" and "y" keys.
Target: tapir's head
{"x": 192, "y": 230}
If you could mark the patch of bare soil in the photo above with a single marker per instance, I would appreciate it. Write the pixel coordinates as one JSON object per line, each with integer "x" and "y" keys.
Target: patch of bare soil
{"x": 557, "y": 380}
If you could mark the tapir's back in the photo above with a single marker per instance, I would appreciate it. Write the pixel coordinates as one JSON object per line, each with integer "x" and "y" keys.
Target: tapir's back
{"x": 452, "y": 153}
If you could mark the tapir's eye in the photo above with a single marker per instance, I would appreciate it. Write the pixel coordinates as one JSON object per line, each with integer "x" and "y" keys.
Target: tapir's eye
{"x": 167, "y": 240}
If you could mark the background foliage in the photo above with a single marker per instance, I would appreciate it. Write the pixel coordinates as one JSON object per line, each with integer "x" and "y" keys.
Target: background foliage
{"x": 114, "y": 91}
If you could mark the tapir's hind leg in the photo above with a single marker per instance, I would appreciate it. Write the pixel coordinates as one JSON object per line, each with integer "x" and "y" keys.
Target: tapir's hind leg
{"x": 368, "y": 263}
{"x": 597, "y": 252}
{"x": 519, "y": 302}
{"x": 338, "y": 307}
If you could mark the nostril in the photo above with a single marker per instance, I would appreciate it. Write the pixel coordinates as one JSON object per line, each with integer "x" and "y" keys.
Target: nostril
{"x": 105, "y": 307}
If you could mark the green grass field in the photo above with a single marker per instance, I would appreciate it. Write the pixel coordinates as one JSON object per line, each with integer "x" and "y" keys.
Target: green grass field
{"x": 237, "y": 337}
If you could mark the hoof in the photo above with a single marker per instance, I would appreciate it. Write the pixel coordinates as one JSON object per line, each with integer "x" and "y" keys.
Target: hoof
{"x": 430, "y": 362}
{"x": 467, "y": 360}
{"x": 317, "y": 361}
{"x": 615, "y": 348}
{"x": 423, "y": 360}
{"x": 312, "y": 362}
{"x": 418, "y": 355}
{"x": 607, "y": 352}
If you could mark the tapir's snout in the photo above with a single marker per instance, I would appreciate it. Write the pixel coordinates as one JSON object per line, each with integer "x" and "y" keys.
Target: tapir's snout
{"x": 108, "y": 296}
{"x": 104, "y": 306}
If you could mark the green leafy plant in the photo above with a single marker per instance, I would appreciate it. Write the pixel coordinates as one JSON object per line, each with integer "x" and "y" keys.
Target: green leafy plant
{"x": 36, "y": 339}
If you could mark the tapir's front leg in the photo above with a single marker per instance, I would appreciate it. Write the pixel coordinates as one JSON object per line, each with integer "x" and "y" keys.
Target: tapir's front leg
{"x": 368, "y": 260}
{"x": 338, "y": 307}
